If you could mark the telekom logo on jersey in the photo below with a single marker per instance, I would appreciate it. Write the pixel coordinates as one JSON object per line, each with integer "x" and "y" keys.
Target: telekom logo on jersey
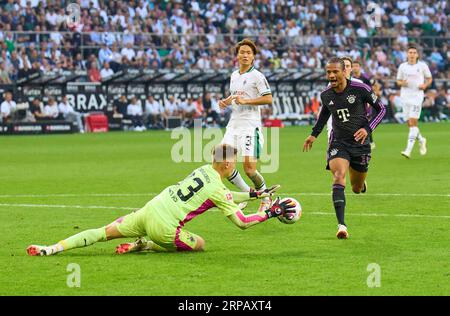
{"x": 343, "y": 114}
{"x": 196, "y": 145}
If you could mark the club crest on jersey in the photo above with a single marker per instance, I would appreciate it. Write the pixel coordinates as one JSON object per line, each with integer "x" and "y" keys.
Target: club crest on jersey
{"x": 245, "y": 81}
{"x": 351, "y": 99}
{"x": 229, "y": 197}
{"x": 374, "y": 97}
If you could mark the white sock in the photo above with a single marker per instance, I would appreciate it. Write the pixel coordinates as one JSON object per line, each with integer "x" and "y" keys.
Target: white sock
{"x": 420, "y": 138}
{"x": 238, "y": 181}
{"x": 413, "y": 131}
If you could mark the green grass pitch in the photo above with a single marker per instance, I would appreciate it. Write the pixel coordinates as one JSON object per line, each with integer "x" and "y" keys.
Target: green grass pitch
{"x": 56, "y": 186}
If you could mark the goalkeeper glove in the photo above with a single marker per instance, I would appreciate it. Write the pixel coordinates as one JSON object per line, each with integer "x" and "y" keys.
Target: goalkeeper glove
{"x": 264, "y": 193}
{"x": 277, "y": 208}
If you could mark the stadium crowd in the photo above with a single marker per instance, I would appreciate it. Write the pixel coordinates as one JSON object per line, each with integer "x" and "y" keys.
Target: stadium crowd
{"x": 137, "y": 115}
{"x": 112, "y": 35}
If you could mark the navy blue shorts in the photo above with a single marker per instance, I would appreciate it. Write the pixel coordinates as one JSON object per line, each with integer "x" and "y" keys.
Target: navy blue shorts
{"x": 357, "y": 155}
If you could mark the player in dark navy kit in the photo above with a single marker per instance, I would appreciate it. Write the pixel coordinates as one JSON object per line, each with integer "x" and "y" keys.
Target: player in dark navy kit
{"x": 357, "y": 74}
{"x": 349, "y": 147}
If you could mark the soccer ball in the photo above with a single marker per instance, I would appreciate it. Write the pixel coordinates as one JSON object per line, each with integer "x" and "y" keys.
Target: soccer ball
{"x": 291, "y": 218}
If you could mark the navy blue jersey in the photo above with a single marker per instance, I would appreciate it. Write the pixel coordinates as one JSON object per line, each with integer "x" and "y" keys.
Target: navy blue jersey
{"x": 364, "y": 79}
{"x": 348, "y": 109}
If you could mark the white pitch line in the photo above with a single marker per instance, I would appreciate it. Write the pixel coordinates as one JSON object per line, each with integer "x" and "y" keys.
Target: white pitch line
{"x": 134, "y": 208}
{"x": 153, "y": 194}
{"x": 382, "y": 215}
{"x": 75, "y": 195}
{"x": 68, "y": 206}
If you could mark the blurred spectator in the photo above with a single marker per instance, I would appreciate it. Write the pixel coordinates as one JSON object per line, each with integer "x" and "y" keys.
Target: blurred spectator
{"x": 134, "y": 112}
{"x": 120, "y": 106}
{"x": 430, "y": 112}
{"x": 200, "y": 111}
{"x": 51, "y": 110}
{"x": 7, "y": 108}
{"x": 442, "y": 103}
{"x": 189, "y": 112}
{"x": 106, "y": 71}
{"x": 128, "y": 52}
{"x": 4, "y": 74}
{"x": 105, "y": 54}
{"x": 69, "y": 114}
{"x": 94, "y": 74}
{"x": 37, "y": 111}
{"x": 153, "y": 112}
{"x": 171, "y": 107}
{"x": 213, "y": 112}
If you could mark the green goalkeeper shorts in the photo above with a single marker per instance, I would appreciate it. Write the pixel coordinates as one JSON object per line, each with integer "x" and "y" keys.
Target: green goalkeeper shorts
{"x": 146, "y": 222}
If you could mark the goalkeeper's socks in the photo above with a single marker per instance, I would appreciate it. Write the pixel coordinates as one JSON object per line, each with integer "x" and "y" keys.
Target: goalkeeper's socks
{"x": 339, "y": 202}
{"x": 238, "y": 181}
{"x": 83, "y": 239}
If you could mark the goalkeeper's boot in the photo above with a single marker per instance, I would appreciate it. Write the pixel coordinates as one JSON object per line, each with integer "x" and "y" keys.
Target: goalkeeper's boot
{"x": 35, "y": 250}
{"x": 342, "y": 232}
{"x": 139, "y": 245}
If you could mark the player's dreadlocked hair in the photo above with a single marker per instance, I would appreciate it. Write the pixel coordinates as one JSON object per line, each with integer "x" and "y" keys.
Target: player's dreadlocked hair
{"x": 223, "y": 152}
{"x": 337, "y": 60}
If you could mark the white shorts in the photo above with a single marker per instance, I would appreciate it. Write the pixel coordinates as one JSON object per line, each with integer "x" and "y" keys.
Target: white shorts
{"x": 248, "y": 142}
{"x": 412, "y": 109}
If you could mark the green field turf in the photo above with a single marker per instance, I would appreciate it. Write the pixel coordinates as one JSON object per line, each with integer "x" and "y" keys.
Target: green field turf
{"x": 56, "y": 186}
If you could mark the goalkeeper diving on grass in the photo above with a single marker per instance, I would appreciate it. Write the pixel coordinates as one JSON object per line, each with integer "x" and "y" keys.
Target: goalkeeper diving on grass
{"x": 159, "y": 225}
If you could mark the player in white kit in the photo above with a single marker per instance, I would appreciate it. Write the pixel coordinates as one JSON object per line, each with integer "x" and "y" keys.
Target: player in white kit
{"x": 249, "y": 90}
{"x": 413, "y": 77}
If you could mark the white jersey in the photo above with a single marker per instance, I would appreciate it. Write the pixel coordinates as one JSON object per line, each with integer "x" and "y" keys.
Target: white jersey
{"x": 65, "y": 108}
{"x": 249, "y": 85}
{"x": 415, "y": 75}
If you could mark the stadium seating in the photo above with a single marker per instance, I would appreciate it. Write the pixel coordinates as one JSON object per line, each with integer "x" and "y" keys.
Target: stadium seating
{"x": 189, "y": 36}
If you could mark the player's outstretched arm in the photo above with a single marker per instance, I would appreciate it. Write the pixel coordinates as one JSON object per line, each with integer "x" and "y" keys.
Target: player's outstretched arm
{"x": 276, "y": 209}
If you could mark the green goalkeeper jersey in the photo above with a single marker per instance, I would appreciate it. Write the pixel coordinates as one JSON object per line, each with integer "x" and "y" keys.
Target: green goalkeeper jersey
{"x": 202, "y": 190}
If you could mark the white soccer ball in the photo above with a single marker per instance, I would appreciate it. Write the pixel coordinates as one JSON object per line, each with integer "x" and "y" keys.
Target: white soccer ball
{"x": 291, "y": 218}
